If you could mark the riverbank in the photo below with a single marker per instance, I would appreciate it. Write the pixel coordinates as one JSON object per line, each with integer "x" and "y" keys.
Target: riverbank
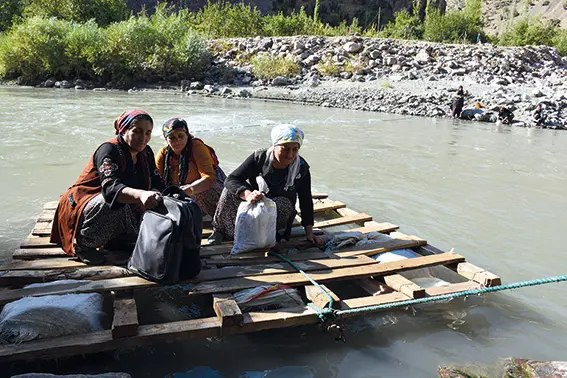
{"x": 394, "y": 76}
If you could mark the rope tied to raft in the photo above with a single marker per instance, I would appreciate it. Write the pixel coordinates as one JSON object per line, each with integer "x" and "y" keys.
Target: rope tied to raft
{"x": 332, "y": 323}
{"x": 329, "y": 316}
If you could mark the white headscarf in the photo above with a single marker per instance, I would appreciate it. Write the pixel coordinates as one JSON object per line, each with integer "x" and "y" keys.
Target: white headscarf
{"x": 283, "y": 134}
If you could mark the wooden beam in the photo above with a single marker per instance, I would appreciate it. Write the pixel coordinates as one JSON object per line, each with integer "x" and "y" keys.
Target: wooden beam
{"x": 227, "y": 310}
{"x": 319, "y": 195}
{"x": 319, "y": 299}
{"x": 466, "y": 270}
{"x": 403, "y": 285}
{"x": 51, "y": 205}
{"x": 476, "y": 274}
{"x": 189, "y": 329}
{"x": 46, "y": 215}
{"x": 125, "y": 320}
{"x": 38, "y": 253}
{"x": 382, "y": 247}
{"x": 359, "y": 218}
{"x": 327, "y": 205}
{"x": 24, "y": 277}
{"x": 235, "y": 284}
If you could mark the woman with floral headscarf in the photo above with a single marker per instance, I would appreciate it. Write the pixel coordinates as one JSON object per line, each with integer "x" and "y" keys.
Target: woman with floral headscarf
{"x": 188, "y": 162}
{"x": 119, "y": 182}
{"x": 287, "y": 177}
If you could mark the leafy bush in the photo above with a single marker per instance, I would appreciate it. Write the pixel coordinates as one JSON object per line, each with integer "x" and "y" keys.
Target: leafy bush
{"x": 9, "y": 9}
{"x": 560, "y": 42}
{"x": 294, "y": 24}
{"x": 34, "y": 49}
{"x": 404, "y": 26}
{"x": 529, "y": 31}
{"x": 456, "y": 27}
{"x": 83, "y": 44}
{"x": 104, "y": 12}
{"x": 225, "y": 20}
{"x": 326, "y": 67}
{"x": 265, "y": 66}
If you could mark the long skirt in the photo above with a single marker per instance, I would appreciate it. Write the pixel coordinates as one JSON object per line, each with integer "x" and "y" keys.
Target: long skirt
{"x": 99, "y": 223}
{"x": 209, "y": 199}
{"x": 225, "y": 215}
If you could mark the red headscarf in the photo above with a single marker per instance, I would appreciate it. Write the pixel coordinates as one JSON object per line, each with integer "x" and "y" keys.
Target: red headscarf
{"x": 124, "y": 120}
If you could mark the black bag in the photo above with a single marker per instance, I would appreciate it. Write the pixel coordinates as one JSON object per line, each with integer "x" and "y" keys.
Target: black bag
{"x": 169, "y": 241}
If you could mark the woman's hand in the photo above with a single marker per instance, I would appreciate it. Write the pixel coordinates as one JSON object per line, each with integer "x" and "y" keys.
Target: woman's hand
{"x": 254, "y": 196}
{"x": 150, "y": 199}
{"x": 312, "y": 238}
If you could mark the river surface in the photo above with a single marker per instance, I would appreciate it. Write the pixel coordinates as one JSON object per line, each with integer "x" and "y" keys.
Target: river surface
{"x": 493, "y": 193}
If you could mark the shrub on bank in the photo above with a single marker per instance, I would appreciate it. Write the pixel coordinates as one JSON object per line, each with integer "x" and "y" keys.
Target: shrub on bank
{"x": 104, "y": 12}
{"x": 404, "y": 26}
{"x": 9, "y": 10}
{"x": 267, "y": 67}
{"x": 529, "y": 31}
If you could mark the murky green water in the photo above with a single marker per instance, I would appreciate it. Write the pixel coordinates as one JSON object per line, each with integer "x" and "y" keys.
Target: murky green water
{"x": 494, "y": 194}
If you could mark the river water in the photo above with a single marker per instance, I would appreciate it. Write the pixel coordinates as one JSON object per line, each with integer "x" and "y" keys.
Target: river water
{"x": 493, "y": 193}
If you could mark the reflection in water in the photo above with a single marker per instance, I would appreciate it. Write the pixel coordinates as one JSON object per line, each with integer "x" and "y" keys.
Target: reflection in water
{"x": 495, "y": 194}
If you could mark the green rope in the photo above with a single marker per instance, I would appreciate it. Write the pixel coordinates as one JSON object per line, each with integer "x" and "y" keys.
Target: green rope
{"x": 515, "y": 285}
{"x": 328, "y": 313}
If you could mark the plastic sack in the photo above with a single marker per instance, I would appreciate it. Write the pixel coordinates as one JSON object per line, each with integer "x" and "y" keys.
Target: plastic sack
{"x": 255, "y": 226}
{"x": 267, "y": 297}
{"x": 32, "y": 318}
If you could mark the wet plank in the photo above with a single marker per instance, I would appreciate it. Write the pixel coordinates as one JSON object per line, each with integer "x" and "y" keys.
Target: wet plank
{"x": 382, "y": 247}
{"x": 125, "y": 319}
{"x": 195, "y": 328}
{"x": 476, "y": 274}
{"x": 22, "y": 277}
{"x": 227, "y": 310}
{"x": 319, "y": 299}
{"x": 234, "y": 284}
{"x": 403, "y": 285}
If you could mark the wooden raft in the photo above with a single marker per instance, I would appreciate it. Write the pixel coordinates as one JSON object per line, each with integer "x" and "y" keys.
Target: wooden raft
{"x": 37, "y": 260}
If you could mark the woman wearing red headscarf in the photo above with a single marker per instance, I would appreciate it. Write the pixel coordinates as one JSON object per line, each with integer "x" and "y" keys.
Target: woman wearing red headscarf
{"x": 119, "y": 182}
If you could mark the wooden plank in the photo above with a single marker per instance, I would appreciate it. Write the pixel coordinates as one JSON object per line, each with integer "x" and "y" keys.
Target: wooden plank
{"x": 227, "y": 310}
{"x": 466, "y": 270}
{"x": 319, "y": 299}
{"x": 125, "y": 320}
{"x": 403, "y": 285}
{"x": 358, "y": 218}
{"x": 476, "y": 274}
{"x": 84, "y": 272}
{"x": 33, "y": 241}
{"x": 46, "y": 215}
{"x": 189, "y": 329}
{"x": 38, "y": 253}
{"x": 319, "y": 195}
{"x": 51, "y": 205}
{"x": 234, "y": 284}
{"x": 54, "y": 263}
{"x": 386, "y": 246}
{"x": 327, "y": 205}
{"x": 23, "y": 277}
{"x": 102, "y": 341}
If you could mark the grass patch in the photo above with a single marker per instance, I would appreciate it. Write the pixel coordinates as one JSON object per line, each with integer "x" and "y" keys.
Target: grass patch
{"x": 267, "y": 67}
{"x": 326, "y": 67}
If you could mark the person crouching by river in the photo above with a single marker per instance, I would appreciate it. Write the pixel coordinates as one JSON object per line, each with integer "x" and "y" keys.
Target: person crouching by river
{"x": 287, "y": 176}
{"x": 119, "y": 182}
{"x": 188, "y": 162}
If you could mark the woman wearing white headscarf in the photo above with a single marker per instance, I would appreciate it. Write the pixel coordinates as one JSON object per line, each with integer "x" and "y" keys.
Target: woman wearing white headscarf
{"x": 287, "y": 177}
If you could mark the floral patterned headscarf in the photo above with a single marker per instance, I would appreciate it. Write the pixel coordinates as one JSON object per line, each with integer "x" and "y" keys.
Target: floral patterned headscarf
{"x": 125, "y": 120}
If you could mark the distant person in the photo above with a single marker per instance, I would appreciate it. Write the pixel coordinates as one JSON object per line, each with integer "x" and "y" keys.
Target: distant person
{"x": 461, "y": 92}
{"x": 188, "y": 162}
{"x": 117, "y": 185}
{"x": 539, "y": 116}
{"x": 505, "y": 115}
{"x": 478, "y": 40}
{"x": 458, "y": 107}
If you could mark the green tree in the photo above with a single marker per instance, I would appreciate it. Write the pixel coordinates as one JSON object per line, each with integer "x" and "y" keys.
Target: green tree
{"x": 8, "y": 10}
{"x": 104, "y": 12}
